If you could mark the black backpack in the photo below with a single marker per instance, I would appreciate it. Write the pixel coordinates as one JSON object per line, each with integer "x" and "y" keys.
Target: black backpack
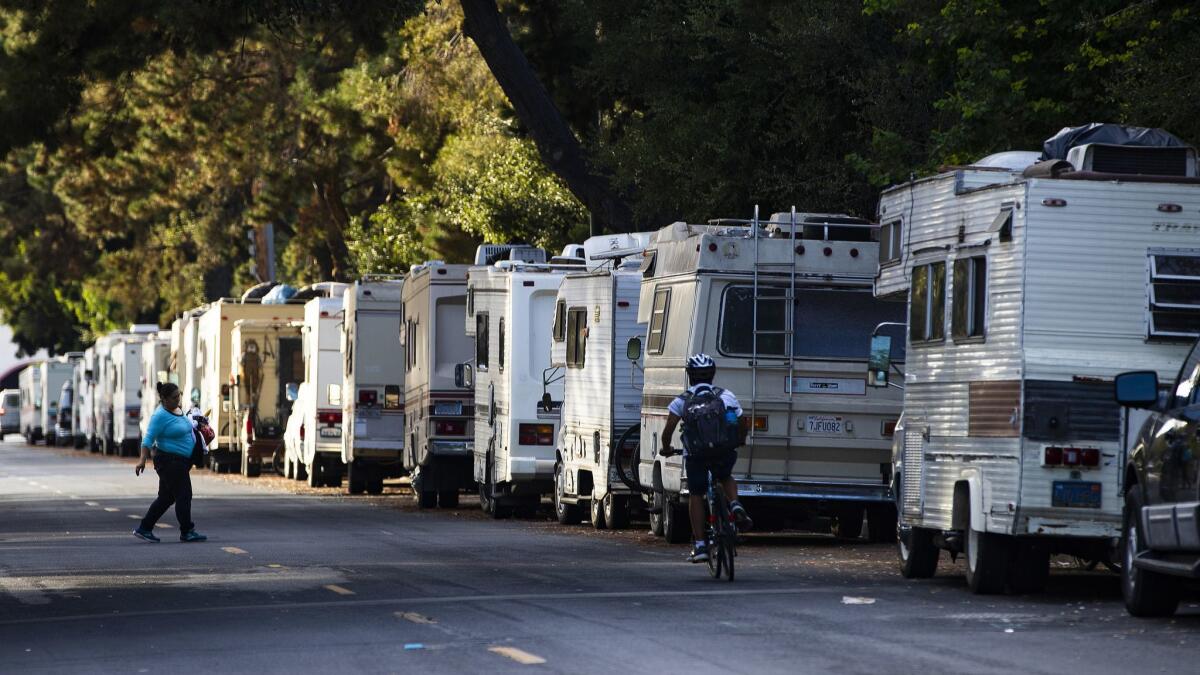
{"x": 708, "y": 430}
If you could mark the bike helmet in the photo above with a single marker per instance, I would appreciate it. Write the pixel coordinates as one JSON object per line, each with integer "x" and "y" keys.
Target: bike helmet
{"x": 701, "y": 368}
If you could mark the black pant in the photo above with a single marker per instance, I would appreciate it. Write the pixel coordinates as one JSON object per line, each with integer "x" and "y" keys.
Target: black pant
{"x": 174, "y": 487}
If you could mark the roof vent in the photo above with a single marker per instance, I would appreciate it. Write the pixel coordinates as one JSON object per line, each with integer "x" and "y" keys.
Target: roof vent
{"x": 821, "y": 227}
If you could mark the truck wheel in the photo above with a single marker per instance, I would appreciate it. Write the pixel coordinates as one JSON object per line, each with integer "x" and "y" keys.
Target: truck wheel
{"x": 596, "y": 513}
{"x": 1146, "y": 593}
{"x": 616, "y": 511}
{"x": 301, "y": 471}
{"x": 881, "y": 524}
{"x": 315, "y": 478}
{"x": 567, "y": 514}
{"x": 448, "y": 499}
{"x": 658, "y": 509}
{"x": 917, "y": 552}
{"x": 848, "y": 522}
{"x": 988, "y": 555}
{"x": 676, "y": 527}
{"x": 356, "y": 482}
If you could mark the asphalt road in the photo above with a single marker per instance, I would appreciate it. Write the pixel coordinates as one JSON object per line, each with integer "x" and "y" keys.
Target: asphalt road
{"x": 302, "y": 580}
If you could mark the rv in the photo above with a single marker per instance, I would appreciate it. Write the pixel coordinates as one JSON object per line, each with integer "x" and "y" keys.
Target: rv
{"x": 155, "y": 368}
{"x": 511, "y": 292}
{"x": 1028, "y": 286}
{"x": 30, "y": 384}
{"x": 10, "y": 412}
{"x": 373, "y": 390}
{"x": 184, "y": 367}
{"x": 266, "y": 355}
{"x": 214, "y": 328}
{"x": 58, "y": 419}
{"x": 783, "y": 307}
{"x": 110, "y": 350}
{"x": 313, "y": 435}
{"x": 80, "y": 399}
{"x": 85, "y": 392}
{"x": 125, "y": 387}
{"x": 439, "y": 412}
{"x": 595, "y": 317}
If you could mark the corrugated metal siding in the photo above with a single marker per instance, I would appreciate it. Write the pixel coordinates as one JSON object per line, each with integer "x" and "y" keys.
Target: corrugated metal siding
{"x": 992, "y": 409}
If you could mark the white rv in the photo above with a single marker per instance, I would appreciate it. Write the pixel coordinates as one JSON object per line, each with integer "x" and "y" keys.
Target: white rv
{"x": 80, "y": 399}
{"x": 108, "y": 349}
{"x": 184, "y": 368}
{"x": 313, "y": 436}
{"x": 29, "y": 382}
{"x": 57, "y": 385}
{"x": 214, "y": 329}
{"x": 155, "y": 361}
{"x": 125, "y": 387}
{"x": 438, "y": 411}
{"x": 265, "y": 356}
{"x": 85, "y": 376}
{"x": 783, "y": 307}
{"x": 595, "y": 317}
{"x": 373, "y": 376}
{"x": 1028, "y": 288}
{"x": 510, "y": 313}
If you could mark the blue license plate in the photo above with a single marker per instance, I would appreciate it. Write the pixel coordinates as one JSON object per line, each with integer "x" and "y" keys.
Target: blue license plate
{"x": 1076, "y": 494}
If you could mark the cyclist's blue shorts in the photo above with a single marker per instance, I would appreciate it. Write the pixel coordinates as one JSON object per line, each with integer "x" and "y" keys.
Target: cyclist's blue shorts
{"x": 698, "y": 469}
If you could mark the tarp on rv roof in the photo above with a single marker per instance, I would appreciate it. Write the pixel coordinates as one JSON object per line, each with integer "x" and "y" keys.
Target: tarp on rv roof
{"x": 1057, "y": 146}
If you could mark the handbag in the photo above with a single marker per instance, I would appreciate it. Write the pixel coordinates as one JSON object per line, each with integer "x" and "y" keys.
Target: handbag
{"x": 202, "y": 435}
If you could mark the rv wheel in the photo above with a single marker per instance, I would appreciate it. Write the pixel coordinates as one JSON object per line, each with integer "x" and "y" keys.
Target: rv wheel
{"x": 616, "y": 511}
{"x": 917, "y": 552}
{"x": 355, "y": 481}
{"x": 676, "y": 527}
{"x": 316, "y": 472}
{"x": 987, "y": 556}
{"x": 301, "y": 471}
{"x": 567, "y": 514}
{"x": 657, "y": 508}
{"x": 596, "y": 513}
{"x": 1146, "y": 593}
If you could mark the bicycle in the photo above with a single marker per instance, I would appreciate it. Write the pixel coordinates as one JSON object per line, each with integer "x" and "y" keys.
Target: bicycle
{"x": 721, "y": 532}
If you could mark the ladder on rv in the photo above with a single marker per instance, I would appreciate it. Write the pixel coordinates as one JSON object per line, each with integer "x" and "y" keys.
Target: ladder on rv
{"x": 768, "y": 293}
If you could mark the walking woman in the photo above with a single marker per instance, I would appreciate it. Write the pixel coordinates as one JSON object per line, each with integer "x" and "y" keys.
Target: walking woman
{"x": 170, "y": 438}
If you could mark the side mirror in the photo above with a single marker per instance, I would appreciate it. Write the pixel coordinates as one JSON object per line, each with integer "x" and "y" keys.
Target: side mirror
{"x": 633, "y": 348}
{"x": 1137, "y": 389}
{"x": 879, "y": 362}
{"x": 196, "y": 397}
{"x": 291, "y": 390}
{"x": 464, "y": 376}
{"x": 547, "y": 402}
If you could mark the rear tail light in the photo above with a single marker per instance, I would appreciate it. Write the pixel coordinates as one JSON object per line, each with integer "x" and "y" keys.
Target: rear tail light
{"x": 134, "y": 414}
{"x": 329, "y": 417}
{"x": 535, "y": 434}
{"x": 1053, "y": 457}
{"x": 1070, "y": 456}
{"x": 368, "y": 397}
{"x": 1056, "y": 456}
{"x": 449, "y": 427}
{"x": 889, "y": 428}
{"x": 760, "y": 423}
{"x": 249, "y": 429}
{"x": 1089, "y": 456}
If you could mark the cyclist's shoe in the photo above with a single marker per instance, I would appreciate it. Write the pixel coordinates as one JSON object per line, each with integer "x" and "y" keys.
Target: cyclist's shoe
{"x": 192, "y": 535}
{"x": 743, "y": 519}
{"x": 146, "y": 534}
{"x": 699, "y": 554}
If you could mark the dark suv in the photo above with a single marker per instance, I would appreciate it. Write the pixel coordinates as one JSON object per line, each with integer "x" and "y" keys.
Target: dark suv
{"x": 1160, "y": 538}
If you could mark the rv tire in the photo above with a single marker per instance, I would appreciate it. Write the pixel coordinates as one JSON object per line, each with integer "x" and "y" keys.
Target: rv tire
{"x": 917, "y": 552}
{"x": 1145, "y": 593}
{"x": 315, "y": 472}
{"x": 658, "y": 507}
{"x": 988, "y": 555}
{"x": 596, "y": 513}
{"x": 1030, "y": 569}
{"x": 616, "y": 511}
{"x": 356, "y": 482}
{"x": 301, "y": 470}
{"x": 676, "y": 527}
{"x": 567, "y": 514}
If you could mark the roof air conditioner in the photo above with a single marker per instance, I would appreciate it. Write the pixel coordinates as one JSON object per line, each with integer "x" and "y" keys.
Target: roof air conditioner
{"x": 1179, "y": 161}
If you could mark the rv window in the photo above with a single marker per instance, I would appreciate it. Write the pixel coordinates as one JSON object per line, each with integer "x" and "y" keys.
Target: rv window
{"x": 927, "y": 303}
{"x": 500, "y": 355}
{"x": 1174, "y": 294}
{"x": 828, "y": 324}
{"x": 481, "y": 340}
{"x": 560, "y": 323}
{"x": 658, "y": 321}
{"x": 576, "y": 337}
{"x": 969, "y": 304}
{"x": 889, "y": 241}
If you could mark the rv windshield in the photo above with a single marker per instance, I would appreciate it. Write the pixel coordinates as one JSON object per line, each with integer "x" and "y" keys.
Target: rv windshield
{"x": 829, "y": 324}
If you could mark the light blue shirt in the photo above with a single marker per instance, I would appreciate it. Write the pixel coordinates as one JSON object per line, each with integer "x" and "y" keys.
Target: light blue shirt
{"x": 169, "y": 432}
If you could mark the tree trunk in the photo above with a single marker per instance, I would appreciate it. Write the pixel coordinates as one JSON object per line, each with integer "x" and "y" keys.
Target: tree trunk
{"x": 556, "y": 143}
{"x": 335, "y": 220}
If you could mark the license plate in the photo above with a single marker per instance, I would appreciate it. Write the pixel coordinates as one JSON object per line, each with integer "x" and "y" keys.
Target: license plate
{"x": 331, "y": 432}
{"x": 454, "y": 408}
{"x": 1076, "y": 494}
{"x": 825, "y": 424}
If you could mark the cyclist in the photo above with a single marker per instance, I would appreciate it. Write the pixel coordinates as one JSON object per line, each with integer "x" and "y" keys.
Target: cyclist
{"x": 700, "y": 370}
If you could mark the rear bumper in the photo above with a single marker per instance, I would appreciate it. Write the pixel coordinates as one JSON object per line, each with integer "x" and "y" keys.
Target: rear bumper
{"x": 530, "y": 468}
{"x": 812, "y": 490}
{"x": 372, "y": 450}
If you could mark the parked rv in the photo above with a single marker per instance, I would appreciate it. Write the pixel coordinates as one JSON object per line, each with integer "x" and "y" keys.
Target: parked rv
{"x": 313, "y": 436}
{"x": 29, "y": 382}
{"x": 55, "y": 372}
{"x": 438, "y": 411}
{"x": 85, "y": 375}
{"x": 125, "y": 388}
{"x": 184, "y": 368}
{"x": 373, "y": 389}
{"x": 10, "y": 412}
{"x": 80, "y": 400}
{"x": 1029, "y": 285}
{"x": 63, "y": 430}
{"x": 595, "y": 317}
{"x": 214, "y": 329}
{"x": 782, "y": 306}
{"x": 109, "y": 350}
{"x": 155, "y": 366}
{"x": 266, "y": 355}
{"x": 511, "y": 293}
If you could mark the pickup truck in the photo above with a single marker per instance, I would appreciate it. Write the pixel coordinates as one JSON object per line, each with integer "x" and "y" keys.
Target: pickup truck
{"x": 1160, "y": 535}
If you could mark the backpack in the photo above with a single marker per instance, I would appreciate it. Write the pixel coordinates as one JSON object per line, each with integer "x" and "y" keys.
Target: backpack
{"x": 709, "y": 430}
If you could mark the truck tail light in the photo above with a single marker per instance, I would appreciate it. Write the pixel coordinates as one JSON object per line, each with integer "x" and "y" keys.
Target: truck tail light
{"x": 329, "y": 417}
{"x": 1089, "y": 456}
{"x": 1053, "y": 457}
{"x": 535, "y": 434}
{"x": 1070, "y": 456}
{"x": 449, "y": 427}
{"x": 368, "y": 397}
{"x": 134, "y": 414}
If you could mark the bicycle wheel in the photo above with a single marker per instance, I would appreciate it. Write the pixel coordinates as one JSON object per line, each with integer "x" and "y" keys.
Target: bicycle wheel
{"x": 728, "y": 549}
